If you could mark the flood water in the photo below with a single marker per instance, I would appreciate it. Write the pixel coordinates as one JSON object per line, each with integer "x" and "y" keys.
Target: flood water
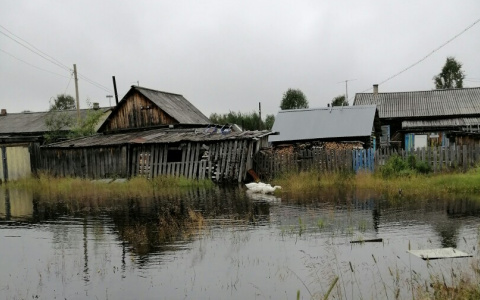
{"x": 247, "y": 247}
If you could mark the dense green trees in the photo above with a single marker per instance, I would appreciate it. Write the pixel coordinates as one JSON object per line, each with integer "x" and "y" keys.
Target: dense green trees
{"x": 339, "y": 101}
{"x": 293, "y": 99}
{"x": 451, "y": 76}
{"x": 248, "y": 121}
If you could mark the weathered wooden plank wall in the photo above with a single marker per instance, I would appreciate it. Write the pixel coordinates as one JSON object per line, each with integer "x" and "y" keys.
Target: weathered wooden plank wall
{"x": 137, "y": 112}
{"x": 223, "y": 161}
{"x": 268, "y": 165}
{"x": 227, "y": 160}
{"x": 92, "y": 163}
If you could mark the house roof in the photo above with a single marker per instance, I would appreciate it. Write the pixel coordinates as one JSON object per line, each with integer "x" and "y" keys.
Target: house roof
{"x": 433, "y": 103}
{"x": 174, "y": 105}
{"x": 442, "y": 123}
{"x": 27, "y": 123}
{"x": 323, "y": 123}
{"x": 160, "y": 135}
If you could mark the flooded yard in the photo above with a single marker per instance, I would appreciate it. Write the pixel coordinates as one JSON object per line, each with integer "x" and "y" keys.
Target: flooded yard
{"x": 222, "y": 243}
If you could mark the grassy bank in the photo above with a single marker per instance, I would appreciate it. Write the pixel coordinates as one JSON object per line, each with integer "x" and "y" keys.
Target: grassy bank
{"x": 51, "y": 188}
{"x": 414, "y": 184}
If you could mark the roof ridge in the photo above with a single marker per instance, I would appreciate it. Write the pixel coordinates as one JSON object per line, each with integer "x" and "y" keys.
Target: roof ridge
{"x": 422, "y": 91}
{"x": 149, "y": 89}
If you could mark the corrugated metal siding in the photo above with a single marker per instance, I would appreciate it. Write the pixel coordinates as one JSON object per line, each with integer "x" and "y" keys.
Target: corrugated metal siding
{"x": 455, "y": 122}
{"x": 450, "y": 102}
{"x": 323, "y": 123}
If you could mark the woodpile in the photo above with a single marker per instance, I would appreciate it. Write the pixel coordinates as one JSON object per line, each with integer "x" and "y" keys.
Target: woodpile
{"x": 290, "y": 149}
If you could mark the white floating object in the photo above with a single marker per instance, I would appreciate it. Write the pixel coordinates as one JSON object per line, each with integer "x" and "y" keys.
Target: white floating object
{"x": 261, "y": 187}
{"x": 439, "y": 253}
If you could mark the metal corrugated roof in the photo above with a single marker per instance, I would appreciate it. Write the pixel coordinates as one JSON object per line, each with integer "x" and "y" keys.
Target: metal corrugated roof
{"x": 162, "y": 135}
{"x": 174, "y": 105}
{"x": 323, "y": 123}
{"x": 454, "y": 122}
{"x": 451, "y": 102}
{"x": 33, "y": 122}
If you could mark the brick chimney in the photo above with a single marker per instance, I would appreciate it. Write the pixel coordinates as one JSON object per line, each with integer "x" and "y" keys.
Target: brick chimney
{"x": 3, "y": 112}
{"x": 375, "y": 89}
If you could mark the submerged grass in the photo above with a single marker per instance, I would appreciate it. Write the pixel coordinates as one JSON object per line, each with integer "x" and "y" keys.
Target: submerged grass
{"x": 415, "y": 184}
{"x": 46, "y": 187}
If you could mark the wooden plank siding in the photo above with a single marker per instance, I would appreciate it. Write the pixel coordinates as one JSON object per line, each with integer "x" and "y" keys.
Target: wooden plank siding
{"x": 137, "y": 111}
{"x": 227, "y": 160}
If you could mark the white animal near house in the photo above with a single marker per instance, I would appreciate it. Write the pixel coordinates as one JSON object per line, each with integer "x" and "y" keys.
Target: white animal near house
{"x": 260, "y": 187}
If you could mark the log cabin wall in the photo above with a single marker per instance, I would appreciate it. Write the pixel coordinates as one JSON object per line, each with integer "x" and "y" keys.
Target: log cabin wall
{"x": 137, "y": 111}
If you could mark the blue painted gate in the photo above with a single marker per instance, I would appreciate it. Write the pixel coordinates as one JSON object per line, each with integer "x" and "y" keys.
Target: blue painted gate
{"x": 363, "y": 159}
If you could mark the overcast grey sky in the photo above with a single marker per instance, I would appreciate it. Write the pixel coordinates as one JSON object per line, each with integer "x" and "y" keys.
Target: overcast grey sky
{"x": 230, "y": 55}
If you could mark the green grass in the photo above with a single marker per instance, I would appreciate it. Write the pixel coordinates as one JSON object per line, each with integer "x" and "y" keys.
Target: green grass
{"x": 415, "y": 184}
{"x": 51, "y": 188}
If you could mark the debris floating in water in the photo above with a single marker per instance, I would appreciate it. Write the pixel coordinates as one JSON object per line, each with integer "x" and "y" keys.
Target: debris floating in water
{"x": 439, "y": 253}
{"x": 367, "y": 241}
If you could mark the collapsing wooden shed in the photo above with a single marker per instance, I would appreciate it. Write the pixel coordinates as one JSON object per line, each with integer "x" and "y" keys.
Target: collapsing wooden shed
{"x": 197, "y": 153}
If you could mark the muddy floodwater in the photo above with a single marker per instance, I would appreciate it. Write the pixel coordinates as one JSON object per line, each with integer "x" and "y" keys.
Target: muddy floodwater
{"x": 236, "y": 246}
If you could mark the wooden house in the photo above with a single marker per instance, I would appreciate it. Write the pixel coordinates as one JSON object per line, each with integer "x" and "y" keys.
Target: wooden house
{"x": 197, "y": 153}
{"x": 142, "y": 107}
{"x": 339, "y": 124}
{"x": 21, "y": 134}
{"x": 426, "y": 118}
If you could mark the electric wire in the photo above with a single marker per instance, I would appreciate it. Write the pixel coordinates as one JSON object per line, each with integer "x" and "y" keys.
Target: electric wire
{"x": 25, "y": 62}
{"x": 49, "y": 58}
{"x": 426, "y": 56}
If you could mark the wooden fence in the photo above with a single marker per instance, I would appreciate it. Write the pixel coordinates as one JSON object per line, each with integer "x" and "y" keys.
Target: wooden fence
{"x": 226, "y": 160}
{"x": 269, "y": 164}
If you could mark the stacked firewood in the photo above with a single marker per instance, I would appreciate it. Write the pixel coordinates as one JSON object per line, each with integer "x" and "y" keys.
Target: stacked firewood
{"x": 342, "y": 146}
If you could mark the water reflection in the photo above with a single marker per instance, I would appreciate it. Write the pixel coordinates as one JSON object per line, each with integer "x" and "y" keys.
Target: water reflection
{"x": 172, "y": 237}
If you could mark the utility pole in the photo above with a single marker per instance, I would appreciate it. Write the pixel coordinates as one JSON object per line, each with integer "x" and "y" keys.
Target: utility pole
{"x": 76, "y": 92}
{"x": 110, "y": 100}
{"x": 346, "y": 87}
{"x": 260, "y": 115}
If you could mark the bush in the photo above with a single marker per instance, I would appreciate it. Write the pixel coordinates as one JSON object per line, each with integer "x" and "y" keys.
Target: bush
{"x": 397, "y": 167}
{"x": 423, "y": 167}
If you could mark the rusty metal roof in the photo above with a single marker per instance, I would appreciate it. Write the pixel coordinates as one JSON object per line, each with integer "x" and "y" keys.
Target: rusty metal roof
{"x": 323, "y": 123}
{"x": 34, "y": 122}
{"x": 174, "y": 105}
{"x": 162, "y": 135}
{"x": 434, "y": 103}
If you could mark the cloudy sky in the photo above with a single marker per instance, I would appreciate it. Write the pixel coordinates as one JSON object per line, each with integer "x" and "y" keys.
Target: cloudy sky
{"x": 229, "y": 55}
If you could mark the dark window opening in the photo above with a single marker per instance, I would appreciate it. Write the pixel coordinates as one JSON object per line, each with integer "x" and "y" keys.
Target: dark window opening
{"x": 174, "y": 155}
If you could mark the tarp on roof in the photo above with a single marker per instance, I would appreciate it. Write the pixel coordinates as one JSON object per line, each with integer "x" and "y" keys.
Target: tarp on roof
{"x": 323, "y": 123}
{"x": 433, "y": 103}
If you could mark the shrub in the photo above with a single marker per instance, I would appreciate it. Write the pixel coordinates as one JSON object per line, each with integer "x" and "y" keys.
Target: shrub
{"x": 394, "y": 166}
{"x": 423, "y": 167}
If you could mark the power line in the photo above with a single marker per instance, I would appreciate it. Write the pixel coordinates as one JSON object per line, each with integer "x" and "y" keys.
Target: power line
{"x": 62, "y": 65}
{"x": 428, "y": 55}
{"x": 49, "y": 58}
{"x": 13, "y": 56}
